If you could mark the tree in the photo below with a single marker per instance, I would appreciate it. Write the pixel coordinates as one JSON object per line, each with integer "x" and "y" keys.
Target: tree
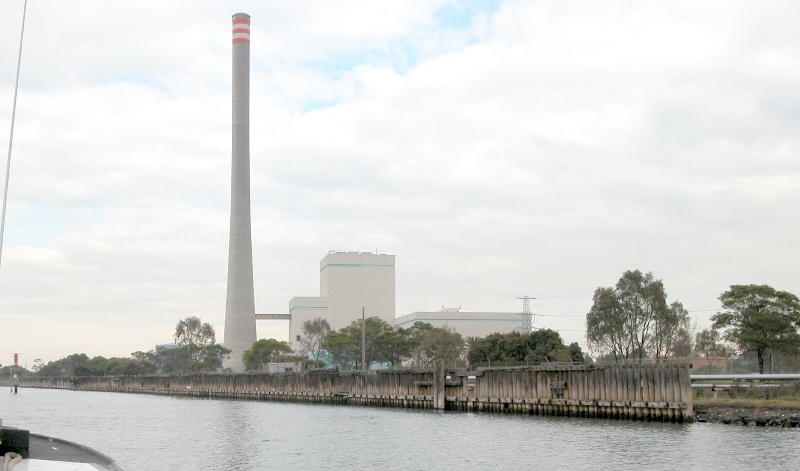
{"x": 683, "y": 345}
{"x": 707, "y": 344}
{"x": 426, "y": 345}
{"x": 264, "y": 352}
{"x": 174, "y": 360}
{"x": 605, "y": 326}
{"x": 759, "y": 318}
{"x": 65, "y": 366}
{"x": 542, "y": 345}
{"x": 344, "y": 349}
{"x": 671, "y": 332}
{"x": 643, "y": 301}
{"x": 8, "y": 370}
{"x": 546, "y": 345}
{"x": 576, "y": 354}
{"x": 79, "y": 364}
{"x": 147, "y": 362}
{"x": 101, "y": 366}
{"x": 470, "y": 342}
{"x": 313, "y": 337}
{"x": 210, "y": 358}
{"x": 632, "y": 320}
{"x": 381, "y": 341}
{"x": 192, "y": 331}
{"x": 96, "y": 366}
{"x": 198, "y": 347}
{"x": 497, "y": 347}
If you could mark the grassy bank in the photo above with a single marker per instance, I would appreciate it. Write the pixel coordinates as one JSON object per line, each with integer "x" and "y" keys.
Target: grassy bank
{"x": 781, "y": 411}
{"x": 761, "y": 404}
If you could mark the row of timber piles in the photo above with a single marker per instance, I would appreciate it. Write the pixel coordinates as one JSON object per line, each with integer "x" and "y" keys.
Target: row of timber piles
{"x": 652, "y": 392}
{"x": 46, "y": 383}
{"x": 660, "y": 392}
{"x": 409, "y": 389}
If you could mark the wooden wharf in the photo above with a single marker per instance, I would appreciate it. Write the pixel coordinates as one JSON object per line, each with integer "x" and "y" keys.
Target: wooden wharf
{"x": 660, "y": 392}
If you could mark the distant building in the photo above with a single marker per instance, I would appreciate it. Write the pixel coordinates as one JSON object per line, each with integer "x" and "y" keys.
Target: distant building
{"x": 468, "y": 324}
{"x": 164, "y": 347}
{"x": 711, "y": 365}
{"x": 284, "y": 367}
{"x": 348, "y": 282}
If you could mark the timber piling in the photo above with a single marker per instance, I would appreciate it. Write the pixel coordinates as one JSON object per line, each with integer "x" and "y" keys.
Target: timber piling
{"x": 660, "y": 392}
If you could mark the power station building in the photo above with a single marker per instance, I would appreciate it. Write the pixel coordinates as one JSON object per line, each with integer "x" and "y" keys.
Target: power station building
{"x": 348, "y": 283}
{"x": 468, "y": 324}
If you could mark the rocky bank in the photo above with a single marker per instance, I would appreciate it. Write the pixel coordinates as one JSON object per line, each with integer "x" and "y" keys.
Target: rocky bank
{"x": 748, "y": 415}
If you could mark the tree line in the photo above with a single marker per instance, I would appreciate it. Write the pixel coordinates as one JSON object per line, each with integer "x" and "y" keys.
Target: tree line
{"x": 633, "y": 321}
{"x": 422, "y": 344}
{"x": 195, "y": 350}
{"x": 418, "y": 346}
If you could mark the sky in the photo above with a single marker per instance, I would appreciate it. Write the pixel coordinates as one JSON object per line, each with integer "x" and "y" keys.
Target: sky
{"x": 497, "y": 148}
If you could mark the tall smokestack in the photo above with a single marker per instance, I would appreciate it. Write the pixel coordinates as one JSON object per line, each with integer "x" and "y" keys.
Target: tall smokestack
{"x": 240, "y": 312}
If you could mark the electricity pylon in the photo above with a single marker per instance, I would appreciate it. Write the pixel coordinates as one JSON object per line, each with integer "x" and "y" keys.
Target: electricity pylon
{"x": 527, "y": 315}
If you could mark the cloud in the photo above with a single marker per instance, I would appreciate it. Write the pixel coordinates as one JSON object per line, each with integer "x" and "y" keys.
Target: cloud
{"x": 498, "y": 149}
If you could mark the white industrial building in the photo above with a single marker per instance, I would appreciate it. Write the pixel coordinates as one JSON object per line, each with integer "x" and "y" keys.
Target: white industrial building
{"x": 468, "y": 324}
{"x": 350, "y": 281}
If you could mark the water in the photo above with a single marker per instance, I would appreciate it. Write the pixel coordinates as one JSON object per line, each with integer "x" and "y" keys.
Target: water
{"x": 161, "y": 433}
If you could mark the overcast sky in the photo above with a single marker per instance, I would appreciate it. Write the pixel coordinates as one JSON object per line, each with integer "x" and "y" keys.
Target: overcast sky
{"x": 497, "y": 148}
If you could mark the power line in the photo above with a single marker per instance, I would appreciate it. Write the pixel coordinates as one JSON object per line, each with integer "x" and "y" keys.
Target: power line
{"x": 584, "y": 315}
{"x": 709, "y": 282}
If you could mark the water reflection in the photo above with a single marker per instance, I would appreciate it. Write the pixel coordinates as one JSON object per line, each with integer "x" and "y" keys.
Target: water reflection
{"x": 153, "y": 432}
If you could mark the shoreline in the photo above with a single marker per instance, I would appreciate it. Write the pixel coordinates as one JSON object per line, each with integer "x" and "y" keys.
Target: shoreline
{"x": 659, "y": 392}
{"x": 748, "y": 413}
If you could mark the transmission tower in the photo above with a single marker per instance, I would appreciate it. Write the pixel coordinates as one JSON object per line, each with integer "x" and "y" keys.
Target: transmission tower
{"x": 527, "y": 315}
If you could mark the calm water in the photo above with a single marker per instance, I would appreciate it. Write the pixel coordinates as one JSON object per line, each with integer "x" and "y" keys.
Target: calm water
{"x": 161, "y": 433}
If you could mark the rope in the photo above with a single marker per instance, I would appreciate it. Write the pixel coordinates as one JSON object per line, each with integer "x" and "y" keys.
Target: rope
{"x": 11, "y": 136}
{"x": 9, "y": 460}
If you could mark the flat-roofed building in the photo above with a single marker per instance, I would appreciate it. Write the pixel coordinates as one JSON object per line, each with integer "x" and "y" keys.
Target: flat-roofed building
{"x": 468, "y": 324}
{"x": 348, "y": 282}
